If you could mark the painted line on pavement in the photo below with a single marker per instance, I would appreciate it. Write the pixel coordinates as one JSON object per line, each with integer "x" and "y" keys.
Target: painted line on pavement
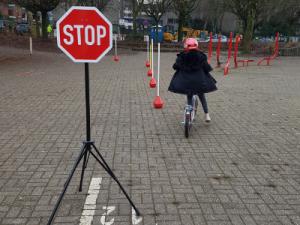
{"x": 135, "y": 219}
{"x": 90, "y": 202}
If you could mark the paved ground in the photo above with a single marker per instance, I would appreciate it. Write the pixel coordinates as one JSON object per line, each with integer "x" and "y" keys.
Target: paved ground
{"x": 242, "y": 169}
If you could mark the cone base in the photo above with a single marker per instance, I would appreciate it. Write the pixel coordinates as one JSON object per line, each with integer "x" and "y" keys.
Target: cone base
{"x": 158, "y": 103}
{"x": 149, "y": 73}
{"x": 116, "y": 58}
{"x": 152, "y": 83}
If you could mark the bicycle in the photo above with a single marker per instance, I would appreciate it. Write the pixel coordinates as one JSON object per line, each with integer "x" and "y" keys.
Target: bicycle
{"x": 190, "y": 112}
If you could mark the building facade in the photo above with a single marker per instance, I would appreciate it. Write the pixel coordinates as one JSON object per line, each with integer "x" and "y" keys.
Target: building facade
{"x": 12, "y": 12}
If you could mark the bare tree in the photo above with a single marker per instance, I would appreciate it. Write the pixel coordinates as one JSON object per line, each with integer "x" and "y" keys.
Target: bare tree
{"x": 155, "y": 9}
{"x": 281, "y": 15}
{"x": 100, "y": 4}
{"x": 214, "y": 14}
{"x": 183, "y": 9}
{"x": 43, "y": 6}
{"x": 137, "y": 6}
{"x": 249, "y": 12}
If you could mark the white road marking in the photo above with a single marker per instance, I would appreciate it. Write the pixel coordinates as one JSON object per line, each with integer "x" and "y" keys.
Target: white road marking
{"x": 90, "y": 202}
{"x": 135, "y": 219}
{"x": 90, "y": 207}
{"x": 108, "y": 210}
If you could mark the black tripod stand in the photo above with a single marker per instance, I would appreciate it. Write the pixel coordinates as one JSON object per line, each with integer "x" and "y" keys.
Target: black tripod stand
{"x": 88, "y": 149}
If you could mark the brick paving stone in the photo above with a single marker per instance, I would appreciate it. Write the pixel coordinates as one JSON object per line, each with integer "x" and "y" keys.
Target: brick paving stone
{"x": 242, "y": 169}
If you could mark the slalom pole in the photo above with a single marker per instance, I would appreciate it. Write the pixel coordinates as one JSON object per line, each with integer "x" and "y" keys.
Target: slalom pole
{"x": 152, "y": 57}
{"x": 147, "y": 61}
{"x": 158, "y": 68}
{"x": 116, "y": 57}
{"x": 152, "y": 83}
{"x": 158, "y": 103}
{"x": 150, "y": 71}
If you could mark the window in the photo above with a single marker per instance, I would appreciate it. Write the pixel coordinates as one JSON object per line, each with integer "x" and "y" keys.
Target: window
{"x": 11, "y": 10}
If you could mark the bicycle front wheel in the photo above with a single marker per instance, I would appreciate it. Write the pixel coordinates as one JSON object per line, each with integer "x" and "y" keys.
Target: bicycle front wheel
{"x": 195, "y": 105}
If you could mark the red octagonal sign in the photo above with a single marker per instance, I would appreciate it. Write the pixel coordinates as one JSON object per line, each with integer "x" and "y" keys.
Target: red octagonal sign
{"x": 84, "y": 34}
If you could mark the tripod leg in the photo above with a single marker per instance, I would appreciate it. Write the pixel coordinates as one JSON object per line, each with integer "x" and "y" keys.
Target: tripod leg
{"x": 84, "y": 164}
{"x": 110, "y": 172}
{"x": 103, "y": 161}
{"x": 82, "y": 153}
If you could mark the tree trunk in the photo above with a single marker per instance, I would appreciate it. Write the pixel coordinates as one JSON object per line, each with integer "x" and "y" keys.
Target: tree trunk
{"x": 205, "y": 25}
{"x": 37, "y": 25}
{"x": 44, "y": 24}
{"x": 220, "y": 23}
{"x": 134, "y": 16}
{"x": 37, "y": 29}
{"x": 180, "y": 25}
{"x": 249, "y": 29}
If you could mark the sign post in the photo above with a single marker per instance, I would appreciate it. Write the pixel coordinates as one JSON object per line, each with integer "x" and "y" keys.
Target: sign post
{"x": 84, "y": 34}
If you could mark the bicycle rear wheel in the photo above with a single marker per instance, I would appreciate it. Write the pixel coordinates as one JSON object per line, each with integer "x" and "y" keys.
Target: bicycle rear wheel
{"x": 187, "y": 124}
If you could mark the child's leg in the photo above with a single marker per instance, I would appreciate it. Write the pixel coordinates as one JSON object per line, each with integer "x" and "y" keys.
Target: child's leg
{"x": 189, "y": 99}
{"x": 203, "y": 102}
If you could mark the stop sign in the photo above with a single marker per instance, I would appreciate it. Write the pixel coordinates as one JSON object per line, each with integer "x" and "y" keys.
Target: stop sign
{"x": 84, "y": 34}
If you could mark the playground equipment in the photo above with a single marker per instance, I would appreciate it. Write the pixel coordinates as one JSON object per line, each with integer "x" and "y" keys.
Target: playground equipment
{"x": 226, "y": 68}
{"x": 187, "y": 33}
{"x": 169, "y": 37}
{"x": 209, "y": 48}
{"x": 275, "y": 54}
{"x": 219, "y": 51}
{"x": 236, "y": 48}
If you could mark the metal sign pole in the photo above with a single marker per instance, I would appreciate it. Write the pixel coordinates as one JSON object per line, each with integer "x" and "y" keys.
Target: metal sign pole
{"x": 87, "y": 101}
{"x": 88, "y": 121}
{"x": 88, "y": 147}
{"x": 87, "y": 150}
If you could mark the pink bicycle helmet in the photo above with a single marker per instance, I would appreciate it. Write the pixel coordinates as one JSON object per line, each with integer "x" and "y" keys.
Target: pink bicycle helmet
{"x": 190, "y": 44}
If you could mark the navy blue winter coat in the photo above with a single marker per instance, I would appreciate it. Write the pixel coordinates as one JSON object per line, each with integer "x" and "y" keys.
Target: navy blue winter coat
{"x": 192, "y": 74}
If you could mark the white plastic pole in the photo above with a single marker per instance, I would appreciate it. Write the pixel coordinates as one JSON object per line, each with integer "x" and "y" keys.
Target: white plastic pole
{"x": 152, "y": 58}
{"x": 30, "y": 45}
{"x": 116, "y": 51}
{"x": 158, "y": 67}
{"x": 147, "y": 48}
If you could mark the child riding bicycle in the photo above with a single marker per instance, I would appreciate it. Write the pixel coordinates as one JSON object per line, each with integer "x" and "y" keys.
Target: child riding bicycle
{"x": 192, "y": 75}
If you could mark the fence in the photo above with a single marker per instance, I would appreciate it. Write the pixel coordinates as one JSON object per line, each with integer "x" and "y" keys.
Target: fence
{"x": 294, "y": 51}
